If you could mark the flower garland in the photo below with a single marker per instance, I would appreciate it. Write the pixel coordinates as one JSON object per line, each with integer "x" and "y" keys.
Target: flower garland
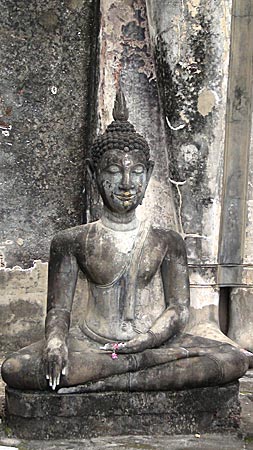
{"x": 114, "y": 348}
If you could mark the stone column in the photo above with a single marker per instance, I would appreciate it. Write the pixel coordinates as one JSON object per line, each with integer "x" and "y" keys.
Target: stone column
{"x": 237, "y": 250}
{"x": 236, "y": 228}
{"x": 191, "y": 41}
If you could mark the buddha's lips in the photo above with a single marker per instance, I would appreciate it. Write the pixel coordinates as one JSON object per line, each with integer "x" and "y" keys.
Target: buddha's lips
{"x": 125, "y": 197}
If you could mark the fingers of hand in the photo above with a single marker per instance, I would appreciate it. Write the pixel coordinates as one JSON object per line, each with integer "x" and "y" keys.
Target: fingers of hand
{"x": 107, "y": 347}
{"x": 56, "y": 366}
{"x": 54, "y": 372}
{"x": 130, "y": 347}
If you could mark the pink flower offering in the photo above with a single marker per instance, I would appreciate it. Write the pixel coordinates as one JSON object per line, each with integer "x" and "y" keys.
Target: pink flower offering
{"x": 114, "y": 355}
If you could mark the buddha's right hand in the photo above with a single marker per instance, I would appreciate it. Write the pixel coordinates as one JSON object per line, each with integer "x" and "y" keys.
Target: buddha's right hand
{"x": 56, "y": 358}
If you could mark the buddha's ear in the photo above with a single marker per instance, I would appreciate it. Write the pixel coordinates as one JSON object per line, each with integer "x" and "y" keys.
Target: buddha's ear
{"x": 150, "y": 170}
{"x": 90, "y": 168}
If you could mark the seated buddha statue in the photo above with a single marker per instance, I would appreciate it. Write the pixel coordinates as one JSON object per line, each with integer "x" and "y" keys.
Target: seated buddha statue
{"x": 131, "y": 335}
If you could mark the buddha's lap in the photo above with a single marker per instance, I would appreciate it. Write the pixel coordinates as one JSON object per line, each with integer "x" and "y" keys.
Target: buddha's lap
{"x": 83, "y": 351}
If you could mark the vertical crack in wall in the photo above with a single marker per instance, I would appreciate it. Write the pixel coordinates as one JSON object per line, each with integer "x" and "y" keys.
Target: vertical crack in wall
{"x": 177, "y": 185}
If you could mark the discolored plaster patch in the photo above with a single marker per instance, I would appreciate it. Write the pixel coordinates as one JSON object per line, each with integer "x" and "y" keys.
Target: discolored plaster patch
{"x": 22, "y": 305}
{"x": 207, "y": 100}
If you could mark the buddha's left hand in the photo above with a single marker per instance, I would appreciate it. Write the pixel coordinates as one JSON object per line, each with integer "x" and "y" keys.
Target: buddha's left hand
{"x": 135, "y": 345}
{"x": 138, "y": 344}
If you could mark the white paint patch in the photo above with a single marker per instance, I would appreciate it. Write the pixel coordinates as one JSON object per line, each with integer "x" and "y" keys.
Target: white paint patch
{"x": 196, "y": 279}
{"x": 207, "y": 100}
{"x": 54, "y": 90}
{"x": 179, "y": 127}
{"x": 55, "y": 342}
{"x": 125, "y": 240}
{"x": 3, "y": 447}
{"x": 190, "y": 152}
{"x": 37, "y": 263}
{"x": 203, "y": 296}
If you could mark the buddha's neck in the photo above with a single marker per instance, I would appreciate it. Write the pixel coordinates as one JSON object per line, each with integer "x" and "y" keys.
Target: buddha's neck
{"x": 119, "y": 222}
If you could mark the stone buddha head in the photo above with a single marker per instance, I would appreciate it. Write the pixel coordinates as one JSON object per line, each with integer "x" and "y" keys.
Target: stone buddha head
{"x": 121, "y": 162}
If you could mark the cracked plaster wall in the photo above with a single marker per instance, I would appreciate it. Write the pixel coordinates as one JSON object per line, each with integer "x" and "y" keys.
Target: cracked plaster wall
{"x": 44, "y": 106}
{"x": 47, "y": 66}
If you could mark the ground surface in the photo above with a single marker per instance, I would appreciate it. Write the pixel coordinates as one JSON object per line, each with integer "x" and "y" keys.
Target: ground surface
{"x": 244, "y": 439}
{"x": 205, "y": 442}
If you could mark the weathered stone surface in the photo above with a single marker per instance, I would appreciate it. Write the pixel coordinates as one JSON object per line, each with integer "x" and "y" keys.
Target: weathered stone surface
{"x": 23, "y": 305}
{"x": 201, "y": 441}
{"x": 46, "y": 415}
{"x": 45, "y": 117}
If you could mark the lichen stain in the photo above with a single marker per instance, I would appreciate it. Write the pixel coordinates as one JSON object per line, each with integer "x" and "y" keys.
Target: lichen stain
{"x": 184, "y": 80}
{"x": 75, "y": 5}
{"x": 124, "y": 43}
{"x": 193, "y": 6}
{"x": 206, "y": 101}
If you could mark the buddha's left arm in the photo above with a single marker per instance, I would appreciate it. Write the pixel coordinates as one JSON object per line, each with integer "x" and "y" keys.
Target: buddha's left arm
{"x": 175, "y": 279}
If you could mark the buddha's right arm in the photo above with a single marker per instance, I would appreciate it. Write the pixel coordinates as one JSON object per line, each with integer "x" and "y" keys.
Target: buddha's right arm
{"x": 62, "y": 277}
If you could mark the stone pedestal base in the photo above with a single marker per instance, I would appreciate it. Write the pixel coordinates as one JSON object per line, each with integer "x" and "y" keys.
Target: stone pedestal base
{"x": 44, "y": 415}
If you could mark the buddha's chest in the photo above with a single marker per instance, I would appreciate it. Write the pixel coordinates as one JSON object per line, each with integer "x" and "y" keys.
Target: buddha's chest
{"x": 106, "y": 256}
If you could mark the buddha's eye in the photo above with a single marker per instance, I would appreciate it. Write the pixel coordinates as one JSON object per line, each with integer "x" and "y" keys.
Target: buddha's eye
{"x": 138, "y": 169}
{"x": 113, "y": 169}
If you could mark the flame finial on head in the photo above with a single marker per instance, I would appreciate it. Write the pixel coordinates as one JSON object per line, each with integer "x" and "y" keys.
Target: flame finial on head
{"x": 120, "y": 111}
{"x": 119, "y": 134}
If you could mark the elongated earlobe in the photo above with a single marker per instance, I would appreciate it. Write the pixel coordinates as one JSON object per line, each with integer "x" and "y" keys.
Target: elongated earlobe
{"x": 90, "y": 168}
{"x": 150, "y": 170}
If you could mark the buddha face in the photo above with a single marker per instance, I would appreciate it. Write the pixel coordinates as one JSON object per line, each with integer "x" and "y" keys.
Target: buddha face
{"x": 122, "y": 179}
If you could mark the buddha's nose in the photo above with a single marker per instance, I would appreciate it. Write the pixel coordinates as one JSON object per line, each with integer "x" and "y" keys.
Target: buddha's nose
{"x": 126, "y": 183}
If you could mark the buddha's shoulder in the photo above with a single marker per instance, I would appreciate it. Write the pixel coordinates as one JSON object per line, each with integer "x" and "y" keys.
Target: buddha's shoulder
{"x": 73, "y": 234}
{"x": 170, "y": 237}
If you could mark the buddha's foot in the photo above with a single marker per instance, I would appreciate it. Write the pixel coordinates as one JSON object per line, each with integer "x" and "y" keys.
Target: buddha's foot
{"x": 113, "y": 383}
